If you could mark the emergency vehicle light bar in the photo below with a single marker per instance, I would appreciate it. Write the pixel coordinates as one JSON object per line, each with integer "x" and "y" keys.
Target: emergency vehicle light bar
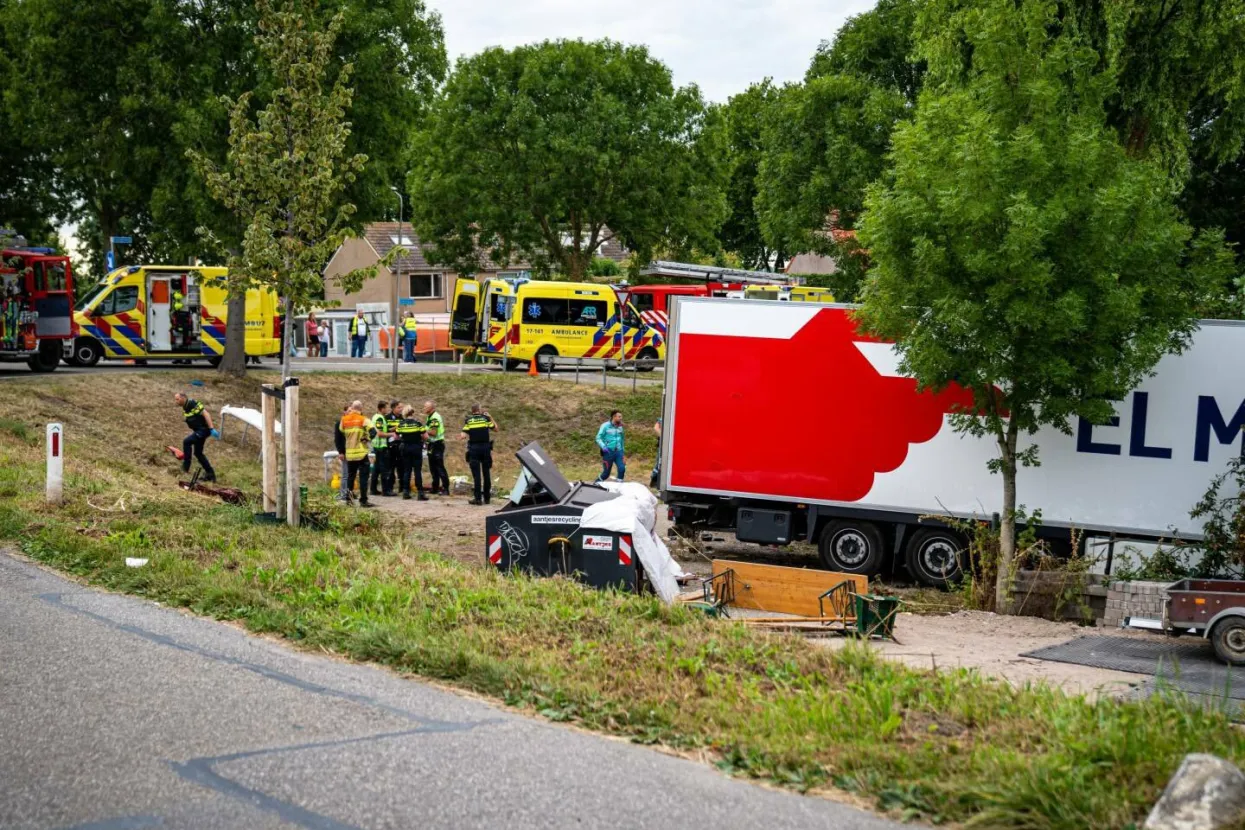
{"x": 712, "y": 273}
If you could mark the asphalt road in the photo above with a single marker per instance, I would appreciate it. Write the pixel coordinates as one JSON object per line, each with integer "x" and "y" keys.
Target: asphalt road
{"x": 117, "y": 714}
{"x": 18, "y": 372}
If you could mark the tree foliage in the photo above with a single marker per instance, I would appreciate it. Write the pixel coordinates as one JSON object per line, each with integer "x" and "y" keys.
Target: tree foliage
{"x": 1019, "y": 250}
{"x": 547, "y": 151}
{"x": 288, "y": 166}
{"x": 741, "y": 121}
{"x": 826, "y": 140}
{"x": 112, "y": 93}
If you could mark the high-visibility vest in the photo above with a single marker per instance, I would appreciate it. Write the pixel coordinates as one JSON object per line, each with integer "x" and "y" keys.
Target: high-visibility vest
{"x": 178, "y": 303}
{"x": 409, "y": 326}
{"x": 355, "y": 427}
{"x": 381, "y": 424}
{"x": 354, "y": 326}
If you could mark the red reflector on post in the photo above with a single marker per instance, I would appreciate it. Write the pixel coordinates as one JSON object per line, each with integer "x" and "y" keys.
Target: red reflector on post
{"x": 56, "y": 445}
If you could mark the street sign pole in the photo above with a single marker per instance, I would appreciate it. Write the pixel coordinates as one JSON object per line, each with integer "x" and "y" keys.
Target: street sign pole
{"x": 393, "y": 299}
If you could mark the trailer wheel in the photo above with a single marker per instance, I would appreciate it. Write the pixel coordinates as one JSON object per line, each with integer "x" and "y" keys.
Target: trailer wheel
{"x": 851, "y": 547}
{"x": 935, "y": 557}
{"x": 1228, "y": 638}
{"x": 87, "y": 351}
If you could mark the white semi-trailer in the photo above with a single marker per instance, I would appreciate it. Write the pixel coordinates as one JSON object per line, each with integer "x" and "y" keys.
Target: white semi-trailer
{"x": 782, "y": 422}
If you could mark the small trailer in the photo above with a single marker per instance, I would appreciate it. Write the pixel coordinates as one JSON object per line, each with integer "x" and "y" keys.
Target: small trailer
{"x": 1213, "y": 608}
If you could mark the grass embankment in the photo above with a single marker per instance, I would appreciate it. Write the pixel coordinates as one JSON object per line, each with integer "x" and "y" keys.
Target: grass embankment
{"x": 951, "y": 746}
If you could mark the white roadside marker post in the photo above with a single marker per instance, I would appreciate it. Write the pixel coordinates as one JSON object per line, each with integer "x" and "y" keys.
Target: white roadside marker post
{"x": 56, "y": 462}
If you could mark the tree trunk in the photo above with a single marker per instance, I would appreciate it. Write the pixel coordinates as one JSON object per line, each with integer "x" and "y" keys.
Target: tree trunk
{"x": 233, "y": 362}
{"x": 288, "y": 328}
{"x": 1007, "y": 532}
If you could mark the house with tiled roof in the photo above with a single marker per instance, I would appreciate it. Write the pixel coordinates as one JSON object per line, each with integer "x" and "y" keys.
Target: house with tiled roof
{"x": 430, "y": 288}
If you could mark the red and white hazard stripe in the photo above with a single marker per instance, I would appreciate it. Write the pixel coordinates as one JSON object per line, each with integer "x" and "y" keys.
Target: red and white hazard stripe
{"x": 494, "y": 549}
{"x": 624, "y": 550}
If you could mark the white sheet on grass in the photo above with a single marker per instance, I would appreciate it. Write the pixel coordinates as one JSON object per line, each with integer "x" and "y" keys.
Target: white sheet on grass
{"x": 635, "y": 512}
{"x": 251, "y": 417}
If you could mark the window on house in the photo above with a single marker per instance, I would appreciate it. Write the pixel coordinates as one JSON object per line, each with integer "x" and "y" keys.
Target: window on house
{"x": 404, "y": 241}
{"x": 426, "y": 285}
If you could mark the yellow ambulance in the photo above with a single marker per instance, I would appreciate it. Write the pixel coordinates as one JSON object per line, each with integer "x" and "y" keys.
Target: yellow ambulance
{"x": 168, "y": 312}
{"x": 792, "y": 293}
{"x": 540, "y": 319}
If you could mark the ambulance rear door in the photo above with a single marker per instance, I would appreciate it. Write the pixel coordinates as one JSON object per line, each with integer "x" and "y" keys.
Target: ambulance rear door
{"x": 159, "y": 312}
{"x": 465, "y": 314}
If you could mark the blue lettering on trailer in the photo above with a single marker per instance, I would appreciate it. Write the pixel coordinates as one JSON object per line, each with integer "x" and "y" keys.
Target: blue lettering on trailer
{"x": 1210, "y": 421}
{"x": 1210, "y": 418}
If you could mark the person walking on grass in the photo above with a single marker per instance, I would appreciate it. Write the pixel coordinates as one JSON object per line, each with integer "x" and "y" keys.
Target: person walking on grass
{"x": 411, "y": 431}
{"x": 611, "y": 442}
{"x": 436, "y": 450}
{"x": 199, "y": 421}
{"x": 357, "y": 431}
{"x": 478, "y": 432}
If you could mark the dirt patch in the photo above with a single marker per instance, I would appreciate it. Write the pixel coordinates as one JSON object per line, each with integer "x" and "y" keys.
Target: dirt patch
{"x": 992, "y": 644}
{"x": 445, "y": 524}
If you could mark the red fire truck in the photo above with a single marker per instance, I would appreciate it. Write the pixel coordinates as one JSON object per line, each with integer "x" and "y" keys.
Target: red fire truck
{"x": 36, "y": 306}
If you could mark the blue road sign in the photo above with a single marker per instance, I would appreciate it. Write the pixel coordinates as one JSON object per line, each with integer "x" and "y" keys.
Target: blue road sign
{"x": 108, "y": 260}
{"x": 406, "y": 301}
{"x": 122, "y": 240}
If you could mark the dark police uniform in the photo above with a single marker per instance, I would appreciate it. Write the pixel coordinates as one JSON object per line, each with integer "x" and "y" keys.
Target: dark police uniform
{"x": 193, "y": 443}
{"x": 380, "y": 449}
{"x": 479, "y": 432}
{"x": 411, "y": 433}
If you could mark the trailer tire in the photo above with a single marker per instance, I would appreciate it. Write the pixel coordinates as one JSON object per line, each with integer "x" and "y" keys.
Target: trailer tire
{"x": 87, "y": 351}
{"x": 1228, "y": 638}
{"x": 852, "y": 547}
{"x": 935, "y": 557}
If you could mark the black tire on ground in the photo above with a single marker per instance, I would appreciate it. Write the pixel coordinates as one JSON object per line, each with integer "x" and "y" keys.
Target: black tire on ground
{"x": 647, "y": 353}
{"x": 47, "y": 358}
{"x": 214, "y": 361}
{"x": 935, "y": 556}
{"x": 87, "y": 351}
{"x": 852, "y": 547}
{"x": 1228, "y": 638}
{"x": 543, "y": 354}
{"x": 513, "y": 365}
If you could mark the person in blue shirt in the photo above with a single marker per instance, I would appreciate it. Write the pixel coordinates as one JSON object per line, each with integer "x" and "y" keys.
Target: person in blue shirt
{"x": 610, "y": 440}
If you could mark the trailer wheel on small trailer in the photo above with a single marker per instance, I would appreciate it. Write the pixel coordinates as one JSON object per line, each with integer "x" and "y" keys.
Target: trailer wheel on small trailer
{"x": 822, "y": 428}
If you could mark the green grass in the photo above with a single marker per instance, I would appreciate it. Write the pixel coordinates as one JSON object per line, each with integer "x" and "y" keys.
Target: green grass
{"x": 951, "y": 746}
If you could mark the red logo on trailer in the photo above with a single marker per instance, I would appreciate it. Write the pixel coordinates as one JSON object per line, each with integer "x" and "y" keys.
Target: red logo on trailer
{"x": 494, "y": 549}
{"x": 828, "y": 421}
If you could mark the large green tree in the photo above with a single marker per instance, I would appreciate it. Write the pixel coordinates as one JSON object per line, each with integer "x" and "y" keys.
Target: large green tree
{"x": 826, "y": 140}
{"x": 741, "y": 121}
{"x": 547, "y": 151}
{"x": 113, "y": 92}
{"x": 288, "y": 167}
{"x": 1019, "y": 249}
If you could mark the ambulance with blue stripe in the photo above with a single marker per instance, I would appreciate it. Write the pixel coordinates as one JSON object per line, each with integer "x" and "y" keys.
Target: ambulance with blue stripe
{"x": 168, "y": 312}
{"x": 537, "y": 320}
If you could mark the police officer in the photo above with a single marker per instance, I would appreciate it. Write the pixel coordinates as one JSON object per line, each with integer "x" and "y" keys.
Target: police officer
{"x": 380, "y": 448}
{"x": 411, "y": 432}
{"x": 199, "y": 420}
{"x": 410, "y": 336}
{"x": 478, "y": 433}
{"x": 436, "y": 450}
{"x": 395, "y": 445}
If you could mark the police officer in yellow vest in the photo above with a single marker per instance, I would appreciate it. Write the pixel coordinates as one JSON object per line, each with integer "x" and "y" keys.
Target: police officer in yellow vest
{"x": 410, "y": 336}
{"x": 478, "y": 432}
{"x": 380, "y": 448}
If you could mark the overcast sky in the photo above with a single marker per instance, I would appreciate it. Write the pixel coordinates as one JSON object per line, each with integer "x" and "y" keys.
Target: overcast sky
{"x": 720, "y": 45}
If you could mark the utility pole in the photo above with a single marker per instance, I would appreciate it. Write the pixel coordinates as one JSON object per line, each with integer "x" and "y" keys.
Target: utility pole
{"x": 393, "y": 300}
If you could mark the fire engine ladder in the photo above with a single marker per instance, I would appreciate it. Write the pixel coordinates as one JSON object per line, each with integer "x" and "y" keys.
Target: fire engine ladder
{"x": 712, "y": 273}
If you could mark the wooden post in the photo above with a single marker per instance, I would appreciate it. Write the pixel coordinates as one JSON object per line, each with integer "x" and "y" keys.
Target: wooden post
{"x": 268, "y": 450}
{"x": 290, "y": 429}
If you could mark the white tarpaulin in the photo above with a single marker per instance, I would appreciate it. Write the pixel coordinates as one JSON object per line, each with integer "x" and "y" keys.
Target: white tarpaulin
{"x": 248, "y": 416}
{"x": 635, "y": 512}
